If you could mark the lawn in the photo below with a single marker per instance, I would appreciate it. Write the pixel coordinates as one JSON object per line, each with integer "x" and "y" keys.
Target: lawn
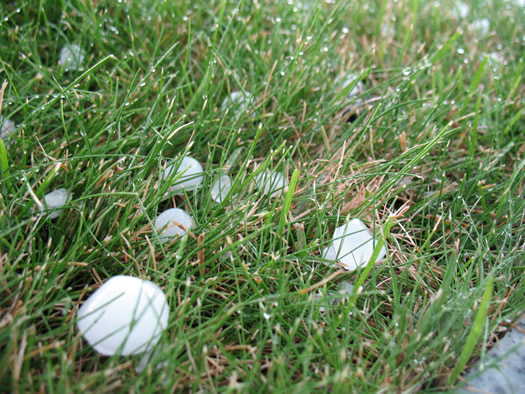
{"x": 405, "y": 114}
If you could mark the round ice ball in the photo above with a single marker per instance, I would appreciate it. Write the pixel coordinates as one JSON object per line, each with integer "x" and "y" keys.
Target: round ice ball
{"x": 220, "y": 188}
{"x": 54, "y": 201}
{"x": 239, "y": 101}
{"x": 168, "y": 222}
{"x": 7, "y": 128}
{"x": 272, "y": 183}
{"x": 125, "y": 316}
{"x": 72, "y": 57}
{"x": 188, "y": 175}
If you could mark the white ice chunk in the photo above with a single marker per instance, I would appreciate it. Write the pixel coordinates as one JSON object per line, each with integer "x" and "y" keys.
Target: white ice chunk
{"x": 347, "y": 80}
{"x": 7, "y": 128}
{"x": 272, "y": 183}
{"x": 168, "y": 222}
{"x": 353, "y": 245}
{"x": 481, "y": 26}
{"x": 125, "y": 316}
{"x": 72, "y": 57}
{"x": 188, "y": 175}
{"x": 220, "y": 188}
{"x": 54, "y": 201}
{"x": 460, "y": 10}
{"x": 238, "y": 101}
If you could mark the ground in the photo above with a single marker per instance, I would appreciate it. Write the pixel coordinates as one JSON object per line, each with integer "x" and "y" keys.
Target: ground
{"x": 405, "y": 114}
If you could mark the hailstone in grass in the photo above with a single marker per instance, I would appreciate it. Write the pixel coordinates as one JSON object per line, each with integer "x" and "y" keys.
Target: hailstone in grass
{"x": 7, "y": 128}
{"x": 172, "y": 223}
{"x": 187, "y": 175}
{"x": 353, "y": 245}
{"x": 54, "y": 201}
{"x": 125, "y": 316}
{"x": 481, "y": 26}
{"x": 220, "y": 188}
{"x": 239, "y": 101}
{"x": 270, "y": 182}
{"x": 72, "y": 57}
{"x": 347, "y": 80}
{"x": 460, "y": 10}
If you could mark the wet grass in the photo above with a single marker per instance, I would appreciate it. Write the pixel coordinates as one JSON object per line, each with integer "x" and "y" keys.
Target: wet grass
{"x": 433, "y": 148}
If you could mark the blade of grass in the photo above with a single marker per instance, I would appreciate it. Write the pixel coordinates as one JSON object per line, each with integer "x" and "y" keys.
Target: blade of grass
{"x": 475, "y": 333}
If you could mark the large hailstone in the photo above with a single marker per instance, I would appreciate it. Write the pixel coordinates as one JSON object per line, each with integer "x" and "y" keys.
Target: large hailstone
{"x": 220, "y": 188}
{"x": 188, "y": 175}
{"x": 7, "y": 128}
{"x": 54, "y": 201}
{"x": 272, "y": 183}
{"x": 72, "y": 57}
{"x": 168, "y": 224}
{"x": 125, "y": 316}
{"x": 353, "y": 245}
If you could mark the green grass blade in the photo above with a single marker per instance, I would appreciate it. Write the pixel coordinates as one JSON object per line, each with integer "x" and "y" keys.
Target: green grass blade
{"x": 475, "y": 332}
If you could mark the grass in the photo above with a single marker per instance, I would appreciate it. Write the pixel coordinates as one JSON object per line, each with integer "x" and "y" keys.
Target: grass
{"x": 435, "y": 150}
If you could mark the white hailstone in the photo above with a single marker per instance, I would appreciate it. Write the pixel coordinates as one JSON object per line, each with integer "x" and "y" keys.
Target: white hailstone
{"x": 481, "y": 26}
{"x": 495, "y": 57}
{"x": 220, "y": 188}
{"x": 7, "y": 128}
{"x": 168, "y": 222}
{"x": 347, "y": 80}
{"x": 54, "y": 201}
{"x": 353, "y": 245}
{"x": 188, "y": 175}
{"x": 461, "y": 10}
{"x": 388, "y": 30}
{"x": 238, "y": 101}
{"x": 272, "y": 183}
{"x": 72, "y": 57}
{"x": 125, "y": 316}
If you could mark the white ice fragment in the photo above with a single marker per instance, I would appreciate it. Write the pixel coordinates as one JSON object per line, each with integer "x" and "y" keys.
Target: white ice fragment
{"x": 220, "y": 188}
{"x": 329, "y": 253}
{"x": 54, "y": 201}
{"x": 7, "y": 128}
{"x": 353, "y": 245}
{"x": 125, "y": 316}
{"x": 347, "y": 80}
{"x": 346, "y": 287}
{"x": 238, "y": 101}
{"x": 168, "y": 223}
{"x": 481, "y": 26}
{"x": 188, "y": 175}
{"x": 72, "y": 57}
{"x": 460, "y": 10}
{"x": 270, "y": 182}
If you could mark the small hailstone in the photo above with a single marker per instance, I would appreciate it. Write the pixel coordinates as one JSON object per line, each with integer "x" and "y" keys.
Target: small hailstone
{"x": 357, "y": 90}
{"x": 54, "y": 201}
{"x": 72, "y": 57}
{"x": 353, "y": 245}
{"x": 481, "y": 26}
{"x": 188, "y": 175}
{"x": 167, "y": 223}
{"x": 239, "y": 101}
{"x": 220, "y": 188}
{"x": 461, "y": 10}
{"x": 7, "y": 128}
{"x": 125, "y": 316}
{"x": 270, "y": 182}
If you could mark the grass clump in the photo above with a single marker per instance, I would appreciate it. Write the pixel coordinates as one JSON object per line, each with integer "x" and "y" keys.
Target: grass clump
{"x": 434, "y": 152}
